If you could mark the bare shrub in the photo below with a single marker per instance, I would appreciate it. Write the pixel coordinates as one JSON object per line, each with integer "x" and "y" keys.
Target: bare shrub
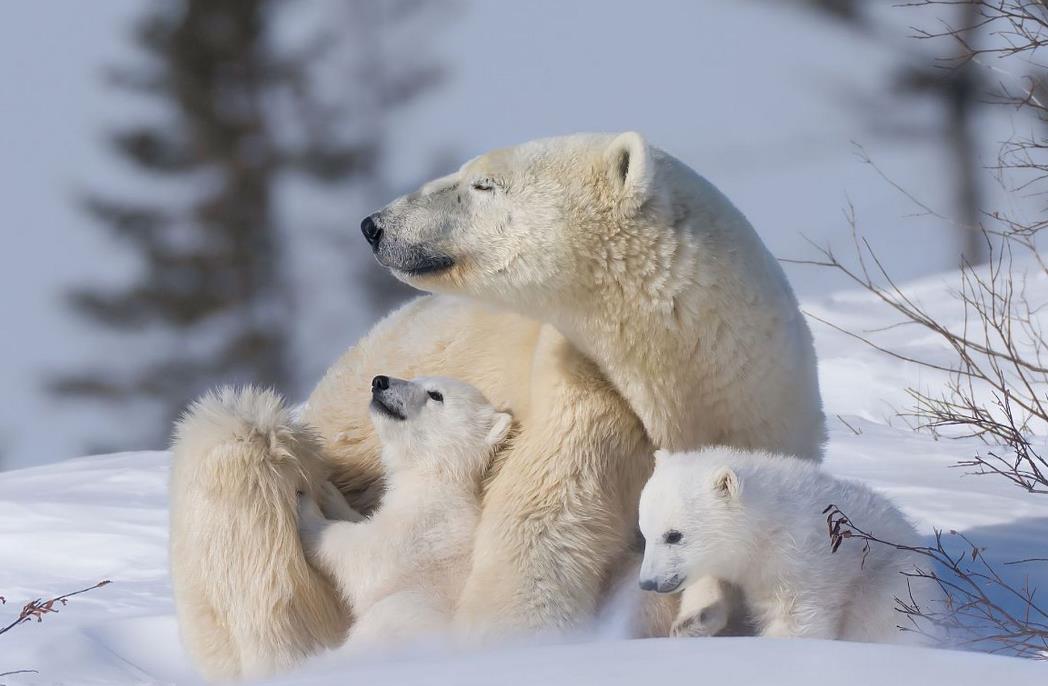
{"x": 969, "y": 613}
{"x": 996, "y": 359}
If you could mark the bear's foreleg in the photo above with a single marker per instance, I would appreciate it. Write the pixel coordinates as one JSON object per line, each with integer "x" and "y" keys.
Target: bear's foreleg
{"x": 560, "y": 512}
{"x": 541, "y": 555}
{"x": 712, "y": 607}
{"x": 705, "y": 607}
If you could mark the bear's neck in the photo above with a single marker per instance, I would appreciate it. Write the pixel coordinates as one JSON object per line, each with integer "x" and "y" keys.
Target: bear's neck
{"x": 665, "y": 334}
{"x": 646, "y": 341}
{"x": 654, "y": 373}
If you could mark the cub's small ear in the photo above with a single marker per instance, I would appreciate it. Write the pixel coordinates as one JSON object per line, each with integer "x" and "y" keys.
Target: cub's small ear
{"x": 501, "y": 424}
{"x": 726, "y": 483}
{"x": 630, "y": 167}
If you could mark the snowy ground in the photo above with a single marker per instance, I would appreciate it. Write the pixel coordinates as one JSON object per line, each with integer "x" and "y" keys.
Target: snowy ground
{"x": 69, "y": 525}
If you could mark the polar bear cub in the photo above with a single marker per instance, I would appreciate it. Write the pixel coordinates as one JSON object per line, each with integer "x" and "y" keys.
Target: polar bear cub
{"x": 757, "y": 520}
{"x": 402, "y": 570}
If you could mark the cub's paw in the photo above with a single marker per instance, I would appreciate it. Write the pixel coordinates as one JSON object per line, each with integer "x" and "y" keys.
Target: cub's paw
{"x": 311, "y": 522}
{"x": 334, "y": 506}
{"x": 709, "y": 621}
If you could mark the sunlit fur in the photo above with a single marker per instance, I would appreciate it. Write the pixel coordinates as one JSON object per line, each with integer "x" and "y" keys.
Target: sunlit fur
{"x": 403, "y": 569}
{"x": 645, "y": 267}
{"x": 239, "y": 460}
{"x": 615, "y": 302}
{"x": 756, "y": 519}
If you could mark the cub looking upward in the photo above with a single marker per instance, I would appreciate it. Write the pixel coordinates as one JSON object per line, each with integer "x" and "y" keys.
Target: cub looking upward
{"x": 403, "y": 569}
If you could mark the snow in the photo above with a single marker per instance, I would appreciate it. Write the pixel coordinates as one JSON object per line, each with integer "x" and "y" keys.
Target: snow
{"x": 68, "y": 525}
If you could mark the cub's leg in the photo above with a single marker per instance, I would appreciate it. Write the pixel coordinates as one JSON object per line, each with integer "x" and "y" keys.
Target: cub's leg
{"x": 792, "y": 617}
{"x": 334, "y": 506}
{"x": 409, "y": 615}
{"x": 336, "y": 546}
{"x": 712, "y": 607}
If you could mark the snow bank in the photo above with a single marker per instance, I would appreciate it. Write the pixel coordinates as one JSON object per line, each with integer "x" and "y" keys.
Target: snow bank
{"x": 68, "y": 525}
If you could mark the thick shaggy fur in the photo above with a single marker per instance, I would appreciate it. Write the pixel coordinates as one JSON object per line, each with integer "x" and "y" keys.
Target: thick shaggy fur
{"x": 402, "y": 570}
{"x": 239, "y": 460}
{"x": 615, "y": 302}
{"x": 756, "y": 520}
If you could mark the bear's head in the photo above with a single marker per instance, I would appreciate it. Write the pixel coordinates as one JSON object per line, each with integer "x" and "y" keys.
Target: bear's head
{"x": 517, "y": 226}
{"x": 693, "y": 519}
{"x": 436, "y": 422}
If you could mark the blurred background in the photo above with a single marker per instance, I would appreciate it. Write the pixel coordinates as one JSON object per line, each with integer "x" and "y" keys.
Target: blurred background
{"x": 183, "y": 181}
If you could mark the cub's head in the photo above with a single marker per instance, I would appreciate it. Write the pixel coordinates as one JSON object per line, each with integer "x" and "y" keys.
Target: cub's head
{"x": 517, "y": 226}
{"x": 692, "y": 517}
{"x": 437, "y": 422}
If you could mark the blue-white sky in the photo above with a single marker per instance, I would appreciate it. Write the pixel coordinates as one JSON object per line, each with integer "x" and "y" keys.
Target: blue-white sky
{"x": 765, "y": 100}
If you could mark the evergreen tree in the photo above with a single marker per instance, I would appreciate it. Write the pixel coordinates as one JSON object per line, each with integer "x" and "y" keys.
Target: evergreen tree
{"x": 953, "y": 83}
{"x": 212, "y": 284}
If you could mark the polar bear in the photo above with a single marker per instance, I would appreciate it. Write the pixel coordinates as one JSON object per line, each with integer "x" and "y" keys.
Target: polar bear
{"x": 238, "y": 463}
{"x": 616, "y": 302}
{"x": 758, "y": 520}
{"x": 402, "y": 570}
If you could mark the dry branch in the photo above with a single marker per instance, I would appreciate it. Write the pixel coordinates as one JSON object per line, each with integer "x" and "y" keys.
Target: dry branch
{"x": 36, "y": 609}
{"x": 995, "y": 357}
{"x": 970, "y": 613}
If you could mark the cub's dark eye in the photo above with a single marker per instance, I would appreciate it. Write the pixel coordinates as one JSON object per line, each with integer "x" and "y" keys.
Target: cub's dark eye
{"x": 483, "y": 186}
{"x": 436, "y": 395}
{"x": 672, "y": 537}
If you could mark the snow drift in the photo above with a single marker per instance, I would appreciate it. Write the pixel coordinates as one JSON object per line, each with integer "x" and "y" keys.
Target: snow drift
{"x": 69, "y": 525}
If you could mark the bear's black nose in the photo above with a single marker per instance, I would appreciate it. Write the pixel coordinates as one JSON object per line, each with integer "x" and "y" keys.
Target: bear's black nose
{"x": 379, "y": 383}
{"x": 372, "y": 233}
{"x": 647, "y": 584}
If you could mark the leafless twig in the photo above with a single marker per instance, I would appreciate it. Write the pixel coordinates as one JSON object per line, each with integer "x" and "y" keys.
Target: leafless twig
{"x": 994, "y": 358}
{"x": 36, "y": 609}
{"x": 974, "y": 612}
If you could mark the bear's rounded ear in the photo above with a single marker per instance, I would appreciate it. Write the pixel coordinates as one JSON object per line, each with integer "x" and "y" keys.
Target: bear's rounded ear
{"x": 726, "y": 483}
{"x": 629, "y": 165}
{"x": 501, "y": 423}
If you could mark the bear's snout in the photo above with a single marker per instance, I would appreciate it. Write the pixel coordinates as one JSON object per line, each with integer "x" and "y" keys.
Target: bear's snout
{"x": 395, "y": 398}
{"x": 667, "y": 585}
{"x": 372, "y": 232}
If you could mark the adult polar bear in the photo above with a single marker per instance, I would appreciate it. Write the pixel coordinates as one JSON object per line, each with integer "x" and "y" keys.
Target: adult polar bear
{"x": 615, "y": 301}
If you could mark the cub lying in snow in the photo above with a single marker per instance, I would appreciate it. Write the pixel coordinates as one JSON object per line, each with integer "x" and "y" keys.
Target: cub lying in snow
{"x": 756, "y": 520}
{"x": 402, "y": 570}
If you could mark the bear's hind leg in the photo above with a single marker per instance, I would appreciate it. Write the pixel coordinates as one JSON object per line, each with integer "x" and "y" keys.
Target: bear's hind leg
{"x": 236, "y": 560}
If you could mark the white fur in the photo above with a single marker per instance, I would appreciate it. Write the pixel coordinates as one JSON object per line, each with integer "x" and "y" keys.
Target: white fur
{"x": 239, "y": 460}
{"x": 645, "y": 267}
{"x": 616, "y": 302}
{"x": 403, "y": 569}
{"x": 756, "y": 520}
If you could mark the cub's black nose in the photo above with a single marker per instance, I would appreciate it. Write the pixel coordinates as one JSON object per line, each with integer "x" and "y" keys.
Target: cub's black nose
{"x": 379, "y": 383}
{"x": 647, "y": 584}
{"x": 372, "y": 233}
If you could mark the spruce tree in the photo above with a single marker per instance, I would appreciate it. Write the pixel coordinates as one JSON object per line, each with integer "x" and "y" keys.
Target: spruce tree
{"x": 211, "y": 298}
